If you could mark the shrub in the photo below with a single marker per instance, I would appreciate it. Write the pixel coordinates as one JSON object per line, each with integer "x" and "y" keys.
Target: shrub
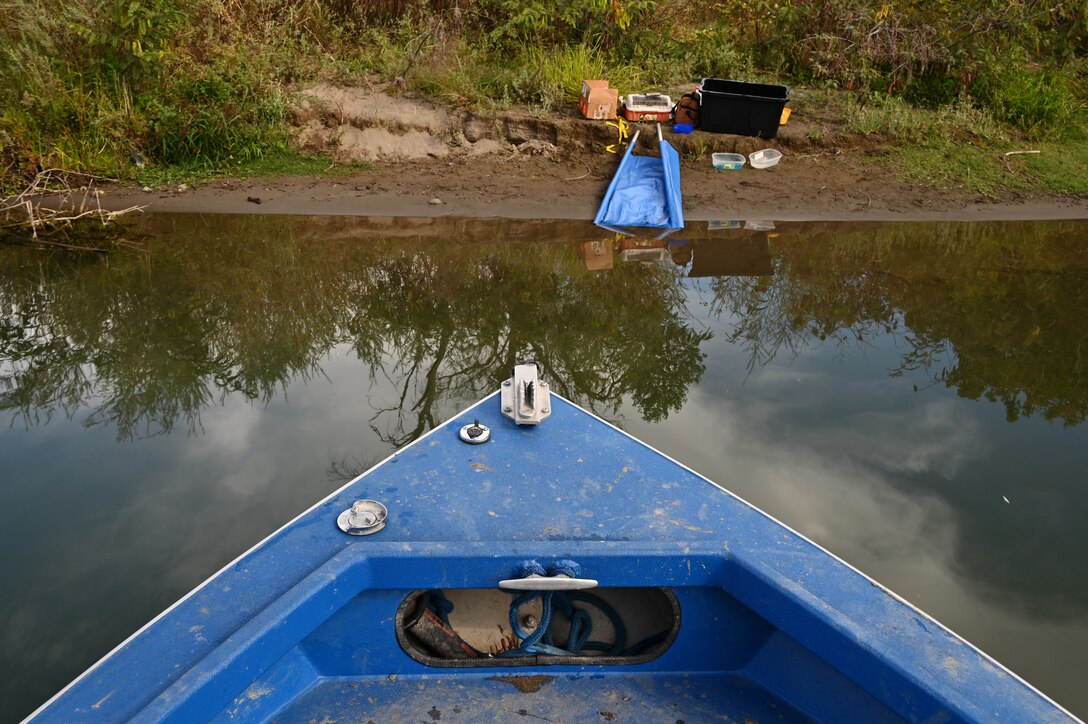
{"x": 559, "y": 73}
{"x": 81, "y": 82}
{"x": 467, "y": 76}
{"x": 221, "y": 112}
{"x": 605, "y": 24}
{"x": 1042, "y": 102}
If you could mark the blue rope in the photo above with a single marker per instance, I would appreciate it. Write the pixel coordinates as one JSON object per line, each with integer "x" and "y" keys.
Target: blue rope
{"x": 565, "y": 567}
{"x": 646, "y": 643}
{"x": 617, "y": 625}
{"x": 528, "y": 568}
{"x": 530, "y": 640}
{"x": 541, "y": 640}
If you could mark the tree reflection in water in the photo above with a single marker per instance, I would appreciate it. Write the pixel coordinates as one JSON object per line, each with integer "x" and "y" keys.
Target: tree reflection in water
{"x": 224, "y": 306}
{"x": 994, "y": 311}
{"x": 441, "y": 310}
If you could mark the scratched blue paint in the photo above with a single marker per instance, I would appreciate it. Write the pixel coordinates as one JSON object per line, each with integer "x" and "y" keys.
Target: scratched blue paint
{"x": 772, "y": 629}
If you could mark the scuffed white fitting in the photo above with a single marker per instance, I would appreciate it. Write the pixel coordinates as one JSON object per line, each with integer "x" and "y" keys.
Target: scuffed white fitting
{"x": 536, "y": 582}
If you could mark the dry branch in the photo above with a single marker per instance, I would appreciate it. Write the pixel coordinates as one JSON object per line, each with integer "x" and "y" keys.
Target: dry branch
{"x": 51, "y": 202}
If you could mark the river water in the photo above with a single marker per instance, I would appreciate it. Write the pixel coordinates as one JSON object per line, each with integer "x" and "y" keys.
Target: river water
{"x": 910, "y": 396}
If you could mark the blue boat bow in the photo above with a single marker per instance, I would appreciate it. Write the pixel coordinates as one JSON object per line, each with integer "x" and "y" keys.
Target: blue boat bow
{"x": 753, "y": 622}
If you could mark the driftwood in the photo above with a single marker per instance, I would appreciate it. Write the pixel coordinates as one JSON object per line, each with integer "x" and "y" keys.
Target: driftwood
{"x": 1005, "y": 159}
{"x": 52, "y": 202}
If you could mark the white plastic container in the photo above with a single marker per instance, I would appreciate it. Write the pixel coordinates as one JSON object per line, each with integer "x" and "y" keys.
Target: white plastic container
{"x": 764, "y": 159}
{"x": 647, "y": 107}
{"x": 728, "y": 161}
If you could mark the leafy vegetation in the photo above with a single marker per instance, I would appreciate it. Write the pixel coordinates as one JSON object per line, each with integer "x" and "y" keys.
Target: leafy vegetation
{"x": 963, "y": 144}
{"x": 994, "y": 311}
{"x": 101, "y": 85}
{"x": 265, "y": 300}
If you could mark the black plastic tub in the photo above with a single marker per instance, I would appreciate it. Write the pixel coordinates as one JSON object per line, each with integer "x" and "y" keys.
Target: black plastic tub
{"x": 746, "y": 109}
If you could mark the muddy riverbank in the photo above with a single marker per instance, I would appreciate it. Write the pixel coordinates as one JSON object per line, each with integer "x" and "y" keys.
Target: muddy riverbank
{"x": 415, "y": 158}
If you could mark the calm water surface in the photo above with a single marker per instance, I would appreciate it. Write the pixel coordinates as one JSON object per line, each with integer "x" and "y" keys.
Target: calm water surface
{"x": 911, "y": 397}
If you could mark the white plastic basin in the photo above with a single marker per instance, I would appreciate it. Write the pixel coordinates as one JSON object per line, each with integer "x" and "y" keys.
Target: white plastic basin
{"x": 764, "y": 159}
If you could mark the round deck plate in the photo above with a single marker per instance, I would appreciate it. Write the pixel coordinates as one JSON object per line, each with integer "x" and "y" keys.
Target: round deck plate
{"x": 364, "y": 517}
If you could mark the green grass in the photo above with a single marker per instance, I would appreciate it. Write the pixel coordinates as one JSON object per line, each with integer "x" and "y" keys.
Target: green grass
{"x": 895, "y": 118}
{"x": 964, "y": 146}
{"x": 1058, "y": 168}
{"x": 559, "y": 73}
{"x": 465, "y": 77}
{"x": 948, "y": 165}
{"x": 542, "y": 78}
{"x": 283, "y": 163}
{"x": 204, "y": 93}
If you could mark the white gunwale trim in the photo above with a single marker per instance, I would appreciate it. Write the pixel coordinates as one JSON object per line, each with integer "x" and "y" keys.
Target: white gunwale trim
{"x": 264, "y": 540}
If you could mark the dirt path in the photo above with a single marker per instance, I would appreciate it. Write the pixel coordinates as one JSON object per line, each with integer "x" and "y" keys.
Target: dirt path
{"x": 429, "y": 160}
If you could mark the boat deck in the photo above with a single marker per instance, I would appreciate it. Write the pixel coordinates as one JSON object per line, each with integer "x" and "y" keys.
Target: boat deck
{"x": 771, "y": 627}
{"x": 542, "y": 698}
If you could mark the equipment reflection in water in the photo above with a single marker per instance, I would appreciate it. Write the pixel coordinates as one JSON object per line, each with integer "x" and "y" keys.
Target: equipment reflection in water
{"x": 856, "y": 381}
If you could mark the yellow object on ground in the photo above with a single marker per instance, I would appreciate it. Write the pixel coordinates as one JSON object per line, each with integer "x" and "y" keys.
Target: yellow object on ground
{"x": 620, "y": 124}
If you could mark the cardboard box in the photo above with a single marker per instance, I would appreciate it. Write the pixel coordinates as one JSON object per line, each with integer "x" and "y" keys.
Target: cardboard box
{"x": 598, "y": 101}
{"x": 596, "y": 255}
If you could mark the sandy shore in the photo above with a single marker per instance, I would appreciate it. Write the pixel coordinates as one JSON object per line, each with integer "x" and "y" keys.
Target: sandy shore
{"x": 431, "y": 160}
{"x": 799, "y": 189}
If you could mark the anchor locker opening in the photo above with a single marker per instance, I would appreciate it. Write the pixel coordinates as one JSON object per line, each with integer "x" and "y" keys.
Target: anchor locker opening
{"x": 472, "y": 627}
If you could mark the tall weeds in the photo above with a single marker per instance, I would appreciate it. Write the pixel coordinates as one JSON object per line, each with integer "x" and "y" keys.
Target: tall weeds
{"x": 559, "y": 73}
{"x": 94, "y": 84}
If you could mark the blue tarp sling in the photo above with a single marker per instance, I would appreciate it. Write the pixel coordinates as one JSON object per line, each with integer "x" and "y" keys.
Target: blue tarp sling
{"x": 645, "y": 190}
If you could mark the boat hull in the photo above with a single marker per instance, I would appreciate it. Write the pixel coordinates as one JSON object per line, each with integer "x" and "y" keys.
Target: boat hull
{"x": 770, "y": 626}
